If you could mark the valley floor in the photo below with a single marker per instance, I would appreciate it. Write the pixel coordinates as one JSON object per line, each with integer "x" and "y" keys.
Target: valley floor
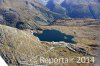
{"x": 86, "y": 33}
{"x": 21, "y": 48}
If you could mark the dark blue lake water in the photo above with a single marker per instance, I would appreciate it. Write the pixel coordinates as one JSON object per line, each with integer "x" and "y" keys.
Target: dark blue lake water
{"x": 54, "y": 35}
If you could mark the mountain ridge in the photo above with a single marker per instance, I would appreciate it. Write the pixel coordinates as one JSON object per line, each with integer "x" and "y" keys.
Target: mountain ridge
{"x": 30, "y": 12}
{"x": 77, "y": 8}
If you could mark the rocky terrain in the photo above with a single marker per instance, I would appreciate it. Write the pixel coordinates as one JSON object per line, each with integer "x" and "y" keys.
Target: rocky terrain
{"x": 21, "y": 48}
{"x": 19, "y": 19}
{"x": 30, "y": 13}
{"x": 86, "y": 32}
{"x": 85, "y": 29}
{"x": 77, "y": 22}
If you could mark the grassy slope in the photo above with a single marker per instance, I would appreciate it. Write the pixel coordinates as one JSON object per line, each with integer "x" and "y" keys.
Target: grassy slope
{"x": 17, "y": 45}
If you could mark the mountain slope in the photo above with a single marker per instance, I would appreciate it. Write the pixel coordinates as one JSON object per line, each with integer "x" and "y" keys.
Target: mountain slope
{"x": 45, "y": 2}
{"x": 55, "y": 7}
{"x": 76, "y": 8}
{"x": 28, "y": 12}
{"x": 21, "y": 48}
{"x": 82, "y": 8}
